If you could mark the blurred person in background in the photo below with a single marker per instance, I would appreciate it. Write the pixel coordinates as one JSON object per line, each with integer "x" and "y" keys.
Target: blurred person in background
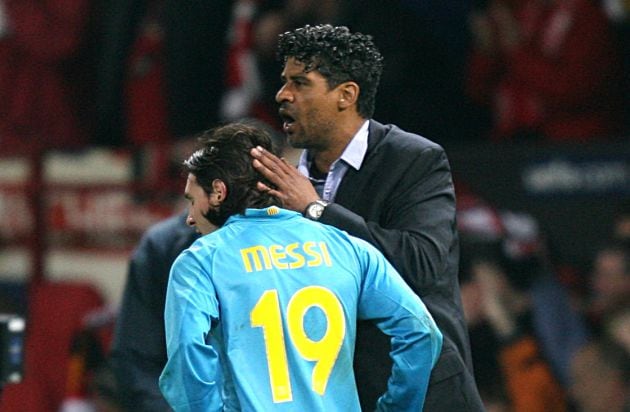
{"x": 242, "y": 84}
{"x": 514, "y": 241}
{"x": 45, "y": 68}
{"x": 159, "y": 80}
{"x": 617, "y": 326}
{"x": 609, "y": 283}
{"x": 601, "y": 378}
{"x": 547, "y": 70}
{"x": 510, "y": 368}
{"x": 621, "y": 224}
{"x": 527, "y": 258}
{"x": 161, "y": 69}
{"x": 88, "y": 351}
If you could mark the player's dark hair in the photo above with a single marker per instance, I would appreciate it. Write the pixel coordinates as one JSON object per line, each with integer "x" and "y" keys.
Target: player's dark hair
{"x": 339, "y": 56}
{"x": 226, "y": 156}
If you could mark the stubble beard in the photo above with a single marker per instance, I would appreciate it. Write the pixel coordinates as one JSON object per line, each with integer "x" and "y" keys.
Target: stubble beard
{"x": 214, "y": 217}
{"x": 312, "y": 142}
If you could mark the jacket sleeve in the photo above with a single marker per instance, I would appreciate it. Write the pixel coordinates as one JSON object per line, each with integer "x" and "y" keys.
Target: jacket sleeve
{"x": 416, "y": 341}
{"x": 191, "y": 380}
{"x": 416, "y": 231}
{"x": 138, "y": 352}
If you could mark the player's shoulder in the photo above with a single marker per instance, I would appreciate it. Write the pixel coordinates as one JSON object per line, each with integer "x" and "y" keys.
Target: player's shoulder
{"x": 200, "y": 249}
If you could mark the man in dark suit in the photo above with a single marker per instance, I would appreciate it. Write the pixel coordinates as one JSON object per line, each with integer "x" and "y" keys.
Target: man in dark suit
{"x": 377, "y": 182}
{"x": 138, "y": 352}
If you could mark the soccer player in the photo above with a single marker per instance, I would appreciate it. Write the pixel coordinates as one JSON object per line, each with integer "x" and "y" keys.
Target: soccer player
{"x": 261, "y": 313}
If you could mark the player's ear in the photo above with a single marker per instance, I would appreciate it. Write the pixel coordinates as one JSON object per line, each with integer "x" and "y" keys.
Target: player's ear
{"x": 220, "y": 189}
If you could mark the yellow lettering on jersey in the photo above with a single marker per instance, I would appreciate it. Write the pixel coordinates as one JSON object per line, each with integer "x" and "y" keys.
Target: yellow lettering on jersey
{"x": 309, "y": 250}
{"x": 324, "y": 248}
{"x": 299, "y": 259}
{"x": 291, "y": 256}
{"x": 254, "y": 253}
{"x": 277, "y": 253}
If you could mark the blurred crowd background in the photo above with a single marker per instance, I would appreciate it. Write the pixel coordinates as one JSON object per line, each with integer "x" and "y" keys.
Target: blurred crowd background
{"x": 99, "y": 100}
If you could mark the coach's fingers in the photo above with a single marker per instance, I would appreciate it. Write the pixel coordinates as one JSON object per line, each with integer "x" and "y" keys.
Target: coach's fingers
{"x": 271, "y": 161}
{"x": 268, "y": 173}
{"x": 273, "y": 192}
{"x": 262, "y": 187}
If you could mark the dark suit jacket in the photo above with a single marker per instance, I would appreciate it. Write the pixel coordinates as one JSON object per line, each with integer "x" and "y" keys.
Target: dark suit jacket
{"x": 139, "y": 348}
{"x": 402, "y": 201}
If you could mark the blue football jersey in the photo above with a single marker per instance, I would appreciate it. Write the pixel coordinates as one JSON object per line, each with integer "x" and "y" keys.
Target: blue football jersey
{"x": 261, "y": 315}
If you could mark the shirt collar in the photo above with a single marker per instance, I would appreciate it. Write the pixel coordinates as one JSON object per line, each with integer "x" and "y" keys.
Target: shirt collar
{"x": 354, "y": 154}
{"x": 273, "y": 212}
{"x": 357, "y": 148}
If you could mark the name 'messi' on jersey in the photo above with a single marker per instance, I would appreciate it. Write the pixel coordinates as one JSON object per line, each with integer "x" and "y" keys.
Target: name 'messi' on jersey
{"x": 292, "y": 256}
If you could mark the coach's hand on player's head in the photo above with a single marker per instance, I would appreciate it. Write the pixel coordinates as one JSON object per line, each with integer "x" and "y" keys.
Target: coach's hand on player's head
{"x": 293, "y": 188}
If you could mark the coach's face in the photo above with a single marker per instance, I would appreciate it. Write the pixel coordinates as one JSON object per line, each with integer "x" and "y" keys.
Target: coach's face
{"x": 308, "y": 107}
{"x": 200, "y": 203}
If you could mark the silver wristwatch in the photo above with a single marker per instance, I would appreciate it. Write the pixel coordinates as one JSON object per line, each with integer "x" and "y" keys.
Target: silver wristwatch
{"x": 315, "y": 209}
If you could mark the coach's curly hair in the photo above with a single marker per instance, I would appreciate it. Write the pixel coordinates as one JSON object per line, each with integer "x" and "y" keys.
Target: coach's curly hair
{"x": 339, "y": 56}
{"x": 225, "y": 156}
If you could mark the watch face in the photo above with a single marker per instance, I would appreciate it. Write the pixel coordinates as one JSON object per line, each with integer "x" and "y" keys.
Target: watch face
{"x": 315, "y": 210}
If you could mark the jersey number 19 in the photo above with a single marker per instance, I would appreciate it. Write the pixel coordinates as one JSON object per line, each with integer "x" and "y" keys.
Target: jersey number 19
{"x": 267, "y": 314}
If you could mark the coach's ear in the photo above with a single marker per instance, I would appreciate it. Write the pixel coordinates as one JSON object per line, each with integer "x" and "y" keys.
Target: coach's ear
{"x": 348, "y": 94}
{"x": 219, "y": 189}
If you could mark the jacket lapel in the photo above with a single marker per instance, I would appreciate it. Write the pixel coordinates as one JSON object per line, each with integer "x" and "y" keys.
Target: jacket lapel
{"x": 350, "y": 191}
